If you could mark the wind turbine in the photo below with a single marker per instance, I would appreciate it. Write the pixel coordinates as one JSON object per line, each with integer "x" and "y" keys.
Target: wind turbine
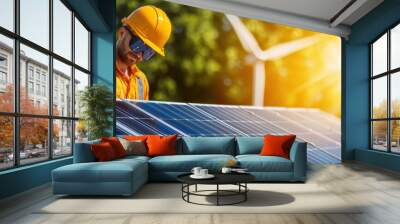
{"x": 258, "y": 56}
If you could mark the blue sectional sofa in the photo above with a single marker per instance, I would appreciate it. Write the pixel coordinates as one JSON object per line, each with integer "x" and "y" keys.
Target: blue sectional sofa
{"x": 125, "y": 176}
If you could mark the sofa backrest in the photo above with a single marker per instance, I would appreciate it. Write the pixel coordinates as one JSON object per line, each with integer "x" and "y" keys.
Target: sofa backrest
{"x": 249, "y": 145}
{"x": 83, "y": 152}
{"x": 206, "y": 145}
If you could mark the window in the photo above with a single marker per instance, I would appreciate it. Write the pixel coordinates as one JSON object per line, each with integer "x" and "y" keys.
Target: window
{"x": 49, "y": 80}
{"x": 7, "y": 142}
{"x": 44, "y": 77}
{"x": 62, "y": 137}
{"x": 44, "y": 91}
{"x": 38, "y": 89}
{"x": 62, "y": 29}
{"x": 37, "y": 74}
{"x": 385, "y": 92}
{"x": 3, "y": 61}
{"x": 3, "y": 78}
{"x": 7, "y": 14}
{"x": 30, "y": 87}
{"x": 3, "y": 72}
{"x": 81, "y": 45}
{"x": 81, "y": 81}
{"x": 35, "y": 21}
{"x": 30, "y": 72}
{"x": 62, "y": 74}
{"x": 6, "y": 73}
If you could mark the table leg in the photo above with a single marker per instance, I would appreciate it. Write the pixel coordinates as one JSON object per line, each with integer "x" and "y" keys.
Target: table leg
{"x": 188, "y": 189}
{"x": 245, "y": 193}
{"x": 217, "y": 194}
{"x": 195, "y": 188}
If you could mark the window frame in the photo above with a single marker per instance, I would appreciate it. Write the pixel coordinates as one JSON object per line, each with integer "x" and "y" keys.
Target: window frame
{"x": 16, "y": 114}
{"x": 388, "y": 74}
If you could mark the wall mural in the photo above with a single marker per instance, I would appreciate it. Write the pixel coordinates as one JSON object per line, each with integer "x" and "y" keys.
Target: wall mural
{"x": 196, "y": 72}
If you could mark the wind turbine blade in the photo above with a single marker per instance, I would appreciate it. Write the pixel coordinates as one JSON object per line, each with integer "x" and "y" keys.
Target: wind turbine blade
{"x": 282, "y": 50}
{"x": 247, "y": 39}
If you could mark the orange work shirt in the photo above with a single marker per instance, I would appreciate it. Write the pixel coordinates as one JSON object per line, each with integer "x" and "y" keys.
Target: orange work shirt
{"x": 135, "y": 86}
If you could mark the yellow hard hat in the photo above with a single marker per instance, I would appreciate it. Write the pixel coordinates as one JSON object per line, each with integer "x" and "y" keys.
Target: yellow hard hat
{"x": 152, "y": 25}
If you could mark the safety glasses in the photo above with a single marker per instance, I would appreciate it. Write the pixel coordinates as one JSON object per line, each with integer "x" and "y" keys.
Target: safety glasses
{"x": 137, "y": 46}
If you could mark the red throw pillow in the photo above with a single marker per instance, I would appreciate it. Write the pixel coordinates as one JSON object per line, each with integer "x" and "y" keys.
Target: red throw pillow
{"x": 116, "y": 145}
{"x": 161, "y": 145}
{"x": 277, "y": 145}
{"x": 103, "y": 152}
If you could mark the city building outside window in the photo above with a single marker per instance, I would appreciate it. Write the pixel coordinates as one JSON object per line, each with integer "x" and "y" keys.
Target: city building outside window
{"x": 57, "y": 127}
{"x": 385, "y": 94}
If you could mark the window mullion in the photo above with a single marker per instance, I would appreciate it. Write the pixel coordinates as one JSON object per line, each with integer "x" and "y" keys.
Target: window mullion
{"x": 371, "y": 142}
{"x": 389, "y": 101}
{"x": 73, "y": 82}
{"x": 50, "y": 81}
{"x": 16, "y": 84}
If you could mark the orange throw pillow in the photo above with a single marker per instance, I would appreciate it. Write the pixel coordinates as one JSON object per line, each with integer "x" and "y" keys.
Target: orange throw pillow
{"x": 137, "y": 137}
{"x": 103, "y": 152}
{"x": 116, "y": 145}
{"x": 161, "y": 145}
{"x": 277, "y": 145}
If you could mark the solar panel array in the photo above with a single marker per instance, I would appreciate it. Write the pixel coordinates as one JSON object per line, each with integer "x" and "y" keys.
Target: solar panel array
{"x": 319, "y": 129}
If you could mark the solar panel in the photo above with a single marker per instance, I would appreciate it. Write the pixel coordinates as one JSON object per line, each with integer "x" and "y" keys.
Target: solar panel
{"x": 188, "y": 119}
{"x": 132, "y": 120}
{"x": 238, "y": 118}
{"x": 320, "y": 130}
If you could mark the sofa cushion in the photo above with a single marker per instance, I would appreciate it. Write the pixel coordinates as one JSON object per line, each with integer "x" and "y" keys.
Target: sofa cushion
{"x": 277, "y": 145}
{"x": 208, "y": 145}
{"x": 136, "y": 147}
{"x": 185, "y": 163}
{"x": 112, "y": 171}
{"x": 103, "y": 152}
{"x": 249, "y": 145}
{"x": 116, "y": 145}
{"x": 257, "y": 163}
{"x": 161, "y": 145}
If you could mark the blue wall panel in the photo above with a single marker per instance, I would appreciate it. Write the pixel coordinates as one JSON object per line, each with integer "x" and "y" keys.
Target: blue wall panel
{"x": 103, "y": 59}
{"x": 24, "y": 178}
{"x": 356, "y": 114}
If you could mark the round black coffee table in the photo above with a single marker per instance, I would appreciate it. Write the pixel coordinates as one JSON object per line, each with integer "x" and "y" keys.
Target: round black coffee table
{"x": 238, "y": 179}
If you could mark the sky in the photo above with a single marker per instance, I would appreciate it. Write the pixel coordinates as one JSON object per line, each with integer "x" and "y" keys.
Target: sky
{"x": 379, "y": 57}
{"x": 35, "y": 27}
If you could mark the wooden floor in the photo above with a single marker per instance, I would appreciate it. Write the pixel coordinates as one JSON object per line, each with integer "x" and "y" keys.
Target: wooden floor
{"x": 377, "y": 188}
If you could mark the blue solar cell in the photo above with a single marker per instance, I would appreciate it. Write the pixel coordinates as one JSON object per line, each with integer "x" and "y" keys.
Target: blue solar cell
{"x": 172, "y": 111}
{"x": 202, "y": 128}
{"x": 228, "y": 113}
{"x": 127, "y": 109}
{"x": 142, "y": 127}
{"x": 265, "y": 114}
{"x": 255, "y": 128}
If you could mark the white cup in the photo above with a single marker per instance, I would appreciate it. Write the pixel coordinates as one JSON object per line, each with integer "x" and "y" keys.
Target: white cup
{"x": 226, "y": 170}
{"x": 203, "y": 172}
{"x": 196, "y": 171}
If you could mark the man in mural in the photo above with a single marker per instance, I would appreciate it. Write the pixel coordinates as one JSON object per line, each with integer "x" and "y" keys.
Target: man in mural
{"x": 144, "y": 32}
